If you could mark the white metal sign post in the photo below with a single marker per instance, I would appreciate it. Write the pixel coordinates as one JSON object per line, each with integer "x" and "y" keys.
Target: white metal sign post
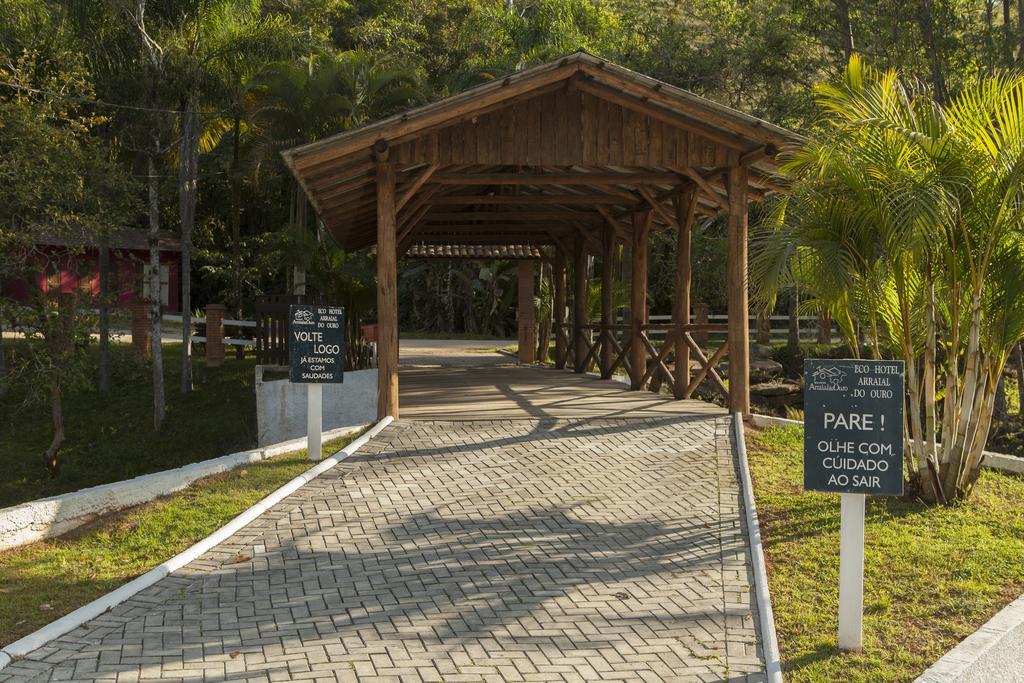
{"x": 314, "y": 419}
{"x": 316, "y": 356}
{"x": 853, "y": 445}
{"x": 851, "y": 571}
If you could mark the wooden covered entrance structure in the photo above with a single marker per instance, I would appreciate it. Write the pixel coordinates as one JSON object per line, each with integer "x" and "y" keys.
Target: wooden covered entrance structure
{"x": 576, "y": 157}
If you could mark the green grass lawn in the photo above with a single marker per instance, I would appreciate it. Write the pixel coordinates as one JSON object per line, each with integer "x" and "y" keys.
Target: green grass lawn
{"x": 44, "y": 581}
{"x": 933, "y": 575}
{"x": 110, "y": 438}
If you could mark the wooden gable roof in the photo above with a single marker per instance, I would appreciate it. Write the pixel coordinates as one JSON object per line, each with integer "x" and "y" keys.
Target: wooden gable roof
{"x": 520, "y": 159}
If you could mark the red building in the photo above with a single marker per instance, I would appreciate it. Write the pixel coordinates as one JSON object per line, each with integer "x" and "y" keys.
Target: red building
{"x": 69, "y": 266}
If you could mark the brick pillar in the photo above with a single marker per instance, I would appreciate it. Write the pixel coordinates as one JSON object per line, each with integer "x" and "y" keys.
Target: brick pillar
{"x": 700, "y": 317}
{"x": 215, "y": 335}
{"x": 141, "y": 327}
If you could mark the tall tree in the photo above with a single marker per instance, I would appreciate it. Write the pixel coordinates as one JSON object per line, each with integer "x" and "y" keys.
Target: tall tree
{"x": 154, "y": 56}
{"x": 320, "y": 94}
{"x": 906, "y": 217}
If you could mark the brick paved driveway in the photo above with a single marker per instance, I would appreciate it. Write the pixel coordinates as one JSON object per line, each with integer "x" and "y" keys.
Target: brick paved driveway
{"x": 603, "y": 549}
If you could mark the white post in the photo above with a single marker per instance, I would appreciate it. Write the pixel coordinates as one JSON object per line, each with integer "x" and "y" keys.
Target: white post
{"x": 314, "y": 420}
{"x": 851, "y": 571}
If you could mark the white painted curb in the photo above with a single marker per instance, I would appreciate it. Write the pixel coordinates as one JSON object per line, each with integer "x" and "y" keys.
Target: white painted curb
{"x": 769, "y": 640}
{"x": 37, "y": 520}
{"x": 69, "y": 622}
{"x": 955, "y": 662}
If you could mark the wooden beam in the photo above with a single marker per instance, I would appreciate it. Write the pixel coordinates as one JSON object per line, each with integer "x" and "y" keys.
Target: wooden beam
{"x": 494, "y": 216}
{"x": 493, "y": 228}
{"x": 530, "y": 199}
{"x": 669, "y": 219}
{"x": 387, "y": 291}
{"x": 607, "y": 289}
{"x": 614, "y": 224}
{"x": 638, "y": 297}
{"x": 638, "y": 178}
{"x": 526, "y": 318}
{"x": 711, "y": 193}
{"x": 423, "y": 177}
{"x": 558, "y": 278}
{"x": 580, "y": 292}
{"x": 686, "y": 206}
{"x": 736, "y": 287}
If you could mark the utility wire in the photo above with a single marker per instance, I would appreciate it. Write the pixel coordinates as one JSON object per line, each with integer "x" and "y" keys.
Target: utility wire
{"x": 101, "y": 103}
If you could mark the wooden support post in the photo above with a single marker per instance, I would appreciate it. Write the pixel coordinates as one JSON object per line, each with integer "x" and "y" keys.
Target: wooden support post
{"x": 607, "y": 313}
{"x": 215, "y": 335}
{"x": 701, "y": 316}
{"x": 558, "y": 278}
{"x": 387, "y": 287}
{"x": 686, "y": 205}
{"x": 579, "y": 304}
{"x": 527, "y": 319}
{"x": 638, "y": 298}
{"x": 736, "y": 285}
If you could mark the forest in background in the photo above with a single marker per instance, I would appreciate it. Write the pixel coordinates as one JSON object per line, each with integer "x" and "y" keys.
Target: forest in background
{"x": 214, "y": 89}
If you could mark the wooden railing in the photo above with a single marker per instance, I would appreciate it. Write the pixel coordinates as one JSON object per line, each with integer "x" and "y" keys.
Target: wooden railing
{"x": 608, "y": 348}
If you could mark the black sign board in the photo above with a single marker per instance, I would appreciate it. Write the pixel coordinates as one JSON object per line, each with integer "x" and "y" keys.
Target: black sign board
{"x": 853, "y": 426}
{"x": 316, "y": 344}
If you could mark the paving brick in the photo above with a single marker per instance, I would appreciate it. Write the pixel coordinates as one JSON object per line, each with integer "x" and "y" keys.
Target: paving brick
{"x": 585, "y": 549}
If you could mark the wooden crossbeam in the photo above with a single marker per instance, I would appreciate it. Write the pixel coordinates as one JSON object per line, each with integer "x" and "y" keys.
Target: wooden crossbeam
{"x": 417, "y": 183}
{"x": 528, "y": 199}
{"x": 659, "y": 358}
{"x": 515, "y": 216}
{"x": 638, "y": 178}
{"x": 658, "y": 208}
{"x": 593, "y": 349}
{"x": 621, "y": 357}
{"x": 709, "y": 191}
{"x": 659, "y": 361}
{"x": 707, "y": 367}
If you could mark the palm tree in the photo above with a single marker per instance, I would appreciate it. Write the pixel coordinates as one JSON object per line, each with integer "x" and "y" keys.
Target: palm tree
{"x": 210, "y": 43}
{"x": 906, "y": 218}
{"x": 301, "y": 101}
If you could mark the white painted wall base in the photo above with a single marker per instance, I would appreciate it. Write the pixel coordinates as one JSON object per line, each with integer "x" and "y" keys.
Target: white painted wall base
{"x": 281, "y": 405}
{"x": 48, "y": 517}
{"x": 994, "y": 461}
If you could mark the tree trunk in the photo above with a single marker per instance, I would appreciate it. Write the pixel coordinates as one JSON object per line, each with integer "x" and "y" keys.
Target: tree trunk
{"x": 236, "y": 222}
{"x": 544, "y": 332}
{"x": 103, "y": 380}
{"x": 188, "y": 178}
{"x": 299, "y": 225}
{"x": 793, "y": 340}
{"x": 57, "y": 418}
{"x": 1007, "y": 35}
{"x": 159, "y": 407}
{"x": 1020, "y": 30}
{"x": 999, "y": 410}
{"x": 3, "y": 350}
{"x": 926, "y": 21}
{"x": 845, "y": 28}
{"x": 990, "y": 46}
{"x": 1020, "y": 379}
